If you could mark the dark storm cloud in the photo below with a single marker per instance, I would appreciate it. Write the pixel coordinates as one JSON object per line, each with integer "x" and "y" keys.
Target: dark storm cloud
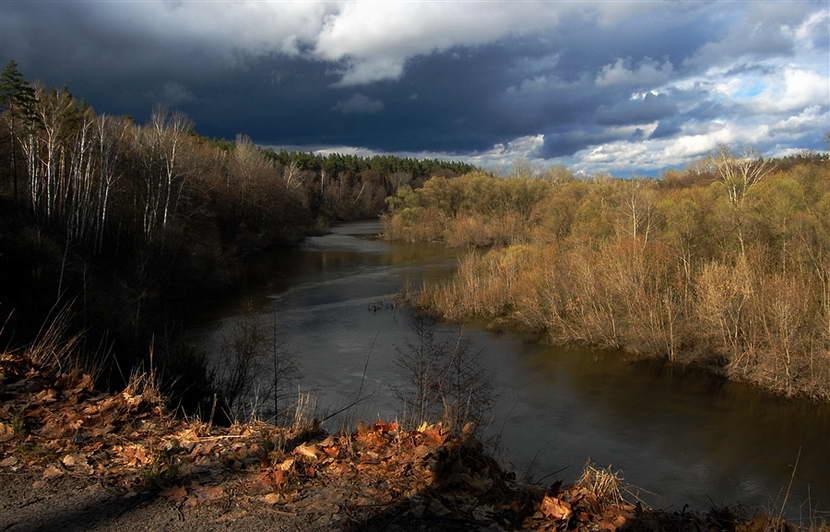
{"x": 648, "y": 108}
{"x": 702, "y": 112}
{"x": 558, "y": 144}
{"x": 667, "y": 128}
{"x": 468, "y": 77}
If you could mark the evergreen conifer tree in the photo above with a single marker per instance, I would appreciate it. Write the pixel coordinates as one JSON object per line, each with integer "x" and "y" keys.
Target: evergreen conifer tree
{"x": 17, "y": 98}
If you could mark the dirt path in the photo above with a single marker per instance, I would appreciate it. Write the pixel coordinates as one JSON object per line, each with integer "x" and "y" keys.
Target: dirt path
{"x": 78, "y": 504}
{"x": 74, "y": 504}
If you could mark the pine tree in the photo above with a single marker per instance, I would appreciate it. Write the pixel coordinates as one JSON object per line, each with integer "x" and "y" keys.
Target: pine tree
{"x": 17, "y": 97}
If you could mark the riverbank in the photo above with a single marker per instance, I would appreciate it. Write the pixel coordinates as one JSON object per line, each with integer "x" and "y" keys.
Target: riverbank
{"x": 678, "y": 268}
{"x": 89, "y": 460}
{"x": 141, "y": 226}
{"x": 553, "y": 292}
{"x": 556, "y": 405}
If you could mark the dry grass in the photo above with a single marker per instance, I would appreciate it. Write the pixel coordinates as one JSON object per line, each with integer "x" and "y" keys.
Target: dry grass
{"x": 605, "y": 484}
{"x": 53, "y": 347}
{"x": 145, "y": 384}
{"x": 682, "y": 272}
{"x": 768, "y": 327}
{"x": 305, "y": 412}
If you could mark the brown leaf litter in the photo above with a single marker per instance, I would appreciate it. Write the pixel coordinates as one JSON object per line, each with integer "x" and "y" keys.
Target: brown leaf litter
{"x": 379, "y": 476}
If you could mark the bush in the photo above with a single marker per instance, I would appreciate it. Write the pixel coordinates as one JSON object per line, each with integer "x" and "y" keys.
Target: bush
{"x": 686, "y": 272}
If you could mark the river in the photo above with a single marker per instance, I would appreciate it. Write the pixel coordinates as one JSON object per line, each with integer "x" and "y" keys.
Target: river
{"x": 682, "y": 435}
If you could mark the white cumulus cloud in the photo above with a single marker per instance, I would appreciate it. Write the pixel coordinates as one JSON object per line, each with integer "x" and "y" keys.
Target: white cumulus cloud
{"x": 375, "y": 39}
{"x": 793, "y": 88}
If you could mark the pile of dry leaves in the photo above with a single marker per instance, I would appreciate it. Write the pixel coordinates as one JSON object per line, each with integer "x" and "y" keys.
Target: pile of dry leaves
{"x": 55, "y": 424}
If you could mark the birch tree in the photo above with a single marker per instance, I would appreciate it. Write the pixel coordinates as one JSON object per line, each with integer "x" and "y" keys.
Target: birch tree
{"x": 159, "y": 144}
{"x": 740, "y": 174}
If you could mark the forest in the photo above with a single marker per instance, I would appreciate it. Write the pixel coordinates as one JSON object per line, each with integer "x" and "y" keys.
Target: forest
{"x": 724, "y": 264}
{"x": 113, "y": 225}
{"x": 415, "y": 265}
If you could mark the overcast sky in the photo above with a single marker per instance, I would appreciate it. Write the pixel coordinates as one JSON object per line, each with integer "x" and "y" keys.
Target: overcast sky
{"x": 621, "y": 86}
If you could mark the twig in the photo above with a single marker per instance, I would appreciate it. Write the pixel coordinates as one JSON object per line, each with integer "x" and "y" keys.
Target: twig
{"x": 561, "y": 469}
{"x": 790, "y": 485}
{"x": 212, "y": 411}
{"x": 366, "y": 365}
{"x": 348, "y": 406}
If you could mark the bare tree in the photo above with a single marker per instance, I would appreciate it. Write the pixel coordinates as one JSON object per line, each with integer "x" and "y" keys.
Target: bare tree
{"x": 740, "y": 174}
{"x": 71, "y": 160}
{"x": 419, "y": 361}
{"x": 465, "y": 390}
{"x": 159, "y": 144}
{"x": 284, "y": 371}
{"x": 638, "y": 205}
{"x": 110, "y": 135}
{"x": 292, "y": 175}
{"x": 243, "y": 355}
{"x": 245, "y": 363}
{"x": 444, "y": 380}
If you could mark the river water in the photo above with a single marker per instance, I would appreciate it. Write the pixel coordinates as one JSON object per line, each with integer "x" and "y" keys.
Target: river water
{"x": 683, "y": 436}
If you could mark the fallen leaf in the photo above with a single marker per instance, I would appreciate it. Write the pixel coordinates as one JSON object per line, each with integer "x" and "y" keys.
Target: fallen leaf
{"x": 306, "y": 450}
{"x": 46, "y": 396}
{"x": 51, "y": 472}
{"x": 84, "y": 384}
{"x": 287, "y": 464}
{"x": 132, "y": 400}
{"x": 71, "y": 460}
{"x": 271, "y": 498}
{"x": 93, "y": 446}
{"x": 6, "y": 432}
{"x": 434, "y": 435}
{"x": 556, "y": 509}
{"x": 278, "y": 477}
{"x": 9, "y": 461}
{"x": 332, "y": 451}
{"x": 135, "y": 455}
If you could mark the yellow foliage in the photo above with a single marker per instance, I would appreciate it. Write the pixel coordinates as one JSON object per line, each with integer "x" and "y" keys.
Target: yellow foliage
{"x": 669, "y": 269}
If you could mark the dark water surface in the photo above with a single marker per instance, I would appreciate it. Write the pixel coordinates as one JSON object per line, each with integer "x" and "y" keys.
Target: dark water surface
{"x": 682, "y": 435}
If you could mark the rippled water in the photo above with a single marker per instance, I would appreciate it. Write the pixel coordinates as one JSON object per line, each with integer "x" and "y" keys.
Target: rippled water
{"x": 684, "y": 436}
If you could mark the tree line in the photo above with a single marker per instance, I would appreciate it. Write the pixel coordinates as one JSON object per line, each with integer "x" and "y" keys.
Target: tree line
{"x": 347, "y": 187}
{"x": 98, "y": 177}
{"x": 128, "y": 221}
{"x": 726, "y": 262}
